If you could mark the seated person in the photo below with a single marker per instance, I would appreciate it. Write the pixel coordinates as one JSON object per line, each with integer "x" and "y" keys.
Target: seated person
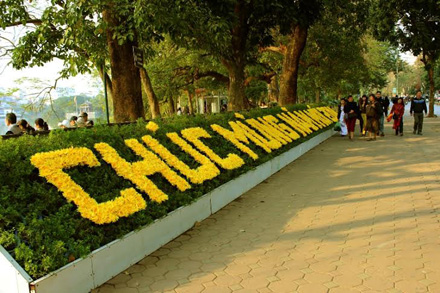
{"x": 73, "y": 121}
{"x": 64, "y": 124}
{"x": 41, "y": 125}
{"x": 10, "y": 122}
{"x": 25, "y": 127}
{"x": 83, "y": 120}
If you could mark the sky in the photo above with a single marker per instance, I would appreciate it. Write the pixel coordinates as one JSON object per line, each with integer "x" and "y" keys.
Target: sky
{"x": 48, "y": 73}
{"x": 408, "y": 57}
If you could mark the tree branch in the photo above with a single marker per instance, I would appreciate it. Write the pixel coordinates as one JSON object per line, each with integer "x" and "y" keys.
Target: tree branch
{"x": 309, "y": 64}
{"x": 8, "y": 40}
{"x": 216, "y": 75}
{"x": 267, "y": 77}
{"x": 280, "y": 50}
{"x": 31, "y": 21}
{"x": 186, "y": 70}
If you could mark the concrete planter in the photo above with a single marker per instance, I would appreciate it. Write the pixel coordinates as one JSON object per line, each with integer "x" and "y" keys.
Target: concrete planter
{"x": 106, "y": 262}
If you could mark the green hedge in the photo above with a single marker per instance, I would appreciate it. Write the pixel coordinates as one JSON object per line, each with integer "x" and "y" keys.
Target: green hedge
{"x": 44, "y": 232}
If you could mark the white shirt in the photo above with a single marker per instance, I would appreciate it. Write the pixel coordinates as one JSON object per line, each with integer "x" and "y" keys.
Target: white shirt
{"x": 14, "y": 129}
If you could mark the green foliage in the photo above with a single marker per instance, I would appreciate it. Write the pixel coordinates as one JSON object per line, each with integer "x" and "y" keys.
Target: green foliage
{"x": 340, "y": 56}
{"x": 71, "y": 31}
{"x": 256, "y": 91}
{"x": 173, "y": 69}
{"x": 208, "y": 25}
{"x": 412, "y": 25}
{"x": 44, "y": 232}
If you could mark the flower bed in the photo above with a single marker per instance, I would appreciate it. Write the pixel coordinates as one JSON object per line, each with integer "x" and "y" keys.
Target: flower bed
{"x": 67, "y": 194}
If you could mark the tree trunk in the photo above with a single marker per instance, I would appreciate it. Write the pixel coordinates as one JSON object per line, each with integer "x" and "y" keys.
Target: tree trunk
{"x": 126, "y": 84}
{"x": 171, "y": 105}
{"x": 236, "y": 63}
{"x": 431, "y": 90}
{"x": 317, "y": 95}
{"x": 274, "y": 91}
{"x": 151, "y": 95}
{"x": 236, "y": 92}
{"x": 289, "y": 74}
{"x": 190, "y": 101}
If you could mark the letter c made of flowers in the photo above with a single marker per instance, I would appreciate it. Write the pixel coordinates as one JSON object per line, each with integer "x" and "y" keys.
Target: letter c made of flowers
{"x": 51, "y": 166}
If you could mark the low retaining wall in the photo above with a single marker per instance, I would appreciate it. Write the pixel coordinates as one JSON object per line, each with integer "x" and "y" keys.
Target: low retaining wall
{"x": 106, "y": 262}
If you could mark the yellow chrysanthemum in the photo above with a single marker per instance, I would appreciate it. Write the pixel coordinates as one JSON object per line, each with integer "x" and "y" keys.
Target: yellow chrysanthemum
{"x": 239, "y": 116}
{"x": 152, "y": 126}
{"x": 232, "y": 161}
{"x": 266, "y": 132}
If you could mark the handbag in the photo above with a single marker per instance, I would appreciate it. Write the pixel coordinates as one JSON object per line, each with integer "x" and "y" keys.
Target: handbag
{"x": 395, "y": 116}
{"x": 371, "y": 112}
{"x": 345, "y": 116}
{"x": 337, "y": 126}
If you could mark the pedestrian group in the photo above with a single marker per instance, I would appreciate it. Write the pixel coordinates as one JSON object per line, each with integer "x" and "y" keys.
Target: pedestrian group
{"x": 372, "y": 111}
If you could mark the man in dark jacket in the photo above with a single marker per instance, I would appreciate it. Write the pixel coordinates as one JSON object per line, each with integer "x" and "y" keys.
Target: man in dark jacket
{"x": 384, "y": 107}
{"x": 418, "y": 106}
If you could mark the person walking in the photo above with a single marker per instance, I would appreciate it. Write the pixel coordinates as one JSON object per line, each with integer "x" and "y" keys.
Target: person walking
{"x": 374, "y": 111}
{"x": 418, "y": 106}
{"x": 397, "y": 111}
{"x": 351, "y": 111}
{"x": 341, "y": 117}
{"x": 384, "y": 106}
{"x": 363, "y": 102}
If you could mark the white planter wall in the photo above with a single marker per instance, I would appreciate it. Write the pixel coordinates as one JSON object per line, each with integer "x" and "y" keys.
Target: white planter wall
{"x": 106, "y": 262}
{"x": 13, "y": 279}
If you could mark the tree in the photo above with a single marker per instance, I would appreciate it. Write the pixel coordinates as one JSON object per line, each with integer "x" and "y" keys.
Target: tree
{"x": 323, "y": 51}
{"x": 296, "y": 21}
{"x": 413, "y": 26}
{"x": 175, "y": 70}
{"x": 229, "y": 30}
{"x": 298, "y": 18}
{"x": 85, "y": 35}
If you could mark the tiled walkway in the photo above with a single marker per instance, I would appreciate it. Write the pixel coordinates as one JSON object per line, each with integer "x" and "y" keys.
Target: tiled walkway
{"x": 346, "y": 217}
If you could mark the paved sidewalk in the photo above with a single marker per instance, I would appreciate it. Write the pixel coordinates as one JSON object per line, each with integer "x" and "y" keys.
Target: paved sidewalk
{"x": 346, "y": 217}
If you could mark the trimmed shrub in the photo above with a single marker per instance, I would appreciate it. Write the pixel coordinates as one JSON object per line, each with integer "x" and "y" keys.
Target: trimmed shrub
{"x": 43, "y": 231}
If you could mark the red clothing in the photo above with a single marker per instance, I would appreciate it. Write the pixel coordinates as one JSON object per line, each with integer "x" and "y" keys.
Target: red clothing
{"x": 398, "y": 110}
{"x": 351, "y": 123}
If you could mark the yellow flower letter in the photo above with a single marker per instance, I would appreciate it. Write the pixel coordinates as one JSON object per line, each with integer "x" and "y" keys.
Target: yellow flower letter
{"x": 137, "y": 172}
{"x": 230, "y": 136}
{"x": 275, "y": 141}
{"x": 51, "y": 165}
{"x": 206, "y": 171}
{"x": 282, "y": 127}
{"x": 232, "y": 161}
